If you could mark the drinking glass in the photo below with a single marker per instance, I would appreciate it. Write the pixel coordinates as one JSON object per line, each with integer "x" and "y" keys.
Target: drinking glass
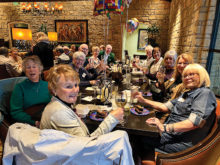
{"x": 121, "y": 100}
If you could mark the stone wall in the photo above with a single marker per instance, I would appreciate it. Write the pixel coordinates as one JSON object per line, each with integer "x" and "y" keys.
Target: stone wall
{"x": 101, "y": 29}
{"x": 190, "y": 27}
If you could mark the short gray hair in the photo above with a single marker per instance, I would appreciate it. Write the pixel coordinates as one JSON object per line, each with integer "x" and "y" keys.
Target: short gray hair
{"x": 172, "y": 53}
{"x": 79, "y": 54}
{"x": 35, "y": 59}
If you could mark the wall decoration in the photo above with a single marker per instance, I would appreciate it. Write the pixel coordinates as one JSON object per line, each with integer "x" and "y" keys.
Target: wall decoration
{"x": 142, "y": 39}
{"x": 72, "y": 31}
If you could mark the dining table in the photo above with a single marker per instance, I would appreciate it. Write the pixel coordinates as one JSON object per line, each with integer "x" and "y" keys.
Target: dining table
{"x": 135, "y": 124}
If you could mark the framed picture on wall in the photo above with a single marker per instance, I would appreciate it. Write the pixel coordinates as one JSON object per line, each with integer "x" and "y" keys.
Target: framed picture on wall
{"x": 72, "y": 31}
{"x": 142, "y": 39}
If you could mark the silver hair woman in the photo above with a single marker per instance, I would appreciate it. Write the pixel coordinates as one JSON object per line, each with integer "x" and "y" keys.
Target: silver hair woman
{"x": 30, "y": 92}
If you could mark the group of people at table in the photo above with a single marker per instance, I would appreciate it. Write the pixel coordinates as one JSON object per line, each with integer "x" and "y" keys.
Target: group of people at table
{"x": 180, "y": 88}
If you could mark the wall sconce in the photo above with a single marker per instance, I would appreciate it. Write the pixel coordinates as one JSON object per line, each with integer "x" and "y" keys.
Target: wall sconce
{"x": 52, "y": 36}
{"x": 22, "y": 36}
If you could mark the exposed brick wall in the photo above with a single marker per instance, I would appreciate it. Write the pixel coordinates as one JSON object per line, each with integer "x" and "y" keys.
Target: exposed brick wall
{"x": 152, "y": 12}
{"x": 147, "y": 12}
{"x": 185, "y": 25}
{"x": 190, "y": 27}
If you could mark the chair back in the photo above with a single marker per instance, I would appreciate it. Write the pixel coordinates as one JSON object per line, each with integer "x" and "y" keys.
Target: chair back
{"x": 6, "y": 88}
{"x": 218, "y": 109}
{"x": 3, "y": 72}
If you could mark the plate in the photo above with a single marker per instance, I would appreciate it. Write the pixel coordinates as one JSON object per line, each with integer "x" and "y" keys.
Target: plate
{"x": 148, "y": 94}
{"x": 93, "y": 116}
{"x": 145, "y": 112}
{"x": 136, "y": 73}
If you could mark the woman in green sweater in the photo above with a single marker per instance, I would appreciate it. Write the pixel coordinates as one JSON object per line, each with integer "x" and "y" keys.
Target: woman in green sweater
{"x": 30, "y": 92}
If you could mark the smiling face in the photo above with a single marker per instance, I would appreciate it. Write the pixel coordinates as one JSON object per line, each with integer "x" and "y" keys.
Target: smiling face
{"x": 148, "y": 53}
{"x": 191, "y": 79}
{"x": 95, "y": 53}
{"x": 32, "y": 71}
{"x": 156, "y": 54}
{"x": 181, "y": 64}
{"x": 67, "y": 90}
{"x": 169, "y": 61}
{"x": 108, "y": 49}
{"x": 84, "y": 48}
{"x": 78, "y": 62}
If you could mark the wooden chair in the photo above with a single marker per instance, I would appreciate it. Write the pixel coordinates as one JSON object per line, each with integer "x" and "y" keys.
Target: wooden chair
{"x": 207, "y": 152}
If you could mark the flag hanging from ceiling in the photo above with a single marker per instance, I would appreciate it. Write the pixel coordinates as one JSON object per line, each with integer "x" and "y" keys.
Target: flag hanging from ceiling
{"x": 108, "y": 6}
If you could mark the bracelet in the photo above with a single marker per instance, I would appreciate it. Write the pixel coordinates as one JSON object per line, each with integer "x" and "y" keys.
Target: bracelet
{"x": 171, "y": 127}
{"x": 165, "y": 127}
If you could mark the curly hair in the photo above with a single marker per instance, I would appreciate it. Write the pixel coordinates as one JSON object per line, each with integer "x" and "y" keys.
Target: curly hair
{"x": 55, "y": 73}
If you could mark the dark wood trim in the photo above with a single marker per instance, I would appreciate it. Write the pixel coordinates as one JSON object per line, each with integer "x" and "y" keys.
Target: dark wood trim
{"x": 215, "y": 50}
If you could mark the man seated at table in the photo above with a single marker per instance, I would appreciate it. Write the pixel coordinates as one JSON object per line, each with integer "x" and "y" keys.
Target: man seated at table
{"x": 86, "y": 78}
{"x": 85, "y": 49}
{"x": 107, "y": 55}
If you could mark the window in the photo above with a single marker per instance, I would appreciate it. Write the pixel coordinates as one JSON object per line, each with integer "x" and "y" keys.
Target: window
{"x": 213, "y": 63}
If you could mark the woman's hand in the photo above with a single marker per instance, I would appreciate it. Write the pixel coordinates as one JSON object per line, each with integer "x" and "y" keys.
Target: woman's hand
{"x": 160, "y": 77}
{"x": 118, "y": 113}
{"x": 155, "y": 121}
{"x": 93, "y": 82}
{"x": 139, "y": 96}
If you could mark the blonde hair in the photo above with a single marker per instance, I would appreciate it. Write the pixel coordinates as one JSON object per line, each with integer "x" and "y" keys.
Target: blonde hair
{"x": 187, "y": 57}
{"x": 41, "y": 36}
{"x": 35, "y": 59}
{"x": 149, "y": 47}
{"x": 201, "y": 71}
{"x": 55, "y": 73}
{"x": 95, "y": 48}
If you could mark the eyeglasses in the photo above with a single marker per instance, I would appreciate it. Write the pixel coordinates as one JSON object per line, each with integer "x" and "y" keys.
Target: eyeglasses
{"x": 79, "y": 59}
{"x": 84, "y": 49}
{"x": 190, "y": 75}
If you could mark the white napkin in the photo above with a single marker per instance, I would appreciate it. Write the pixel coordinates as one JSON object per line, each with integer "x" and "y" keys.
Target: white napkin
{"x": 87, "y": 98}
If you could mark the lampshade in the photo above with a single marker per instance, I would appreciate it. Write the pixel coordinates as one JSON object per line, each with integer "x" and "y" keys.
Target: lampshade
{"x": 21, "y": 34}
{"x": 52, "y": 36}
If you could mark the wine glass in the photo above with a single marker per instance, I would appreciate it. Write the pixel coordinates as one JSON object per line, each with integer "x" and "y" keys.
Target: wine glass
{"x": 121, "y": 100}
